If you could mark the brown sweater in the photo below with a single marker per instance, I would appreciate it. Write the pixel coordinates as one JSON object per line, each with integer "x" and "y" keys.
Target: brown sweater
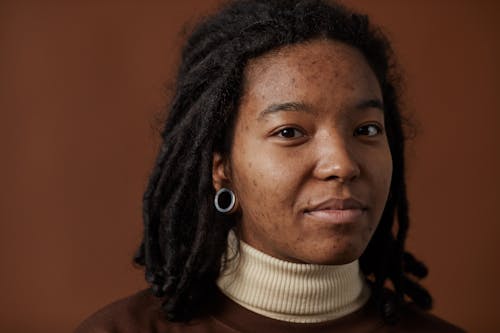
{"x": 141, "y": 313}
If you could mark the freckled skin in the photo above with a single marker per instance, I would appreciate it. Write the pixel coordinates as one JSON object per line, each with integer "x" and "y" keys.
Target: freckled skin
{"x": 276, "y": 178}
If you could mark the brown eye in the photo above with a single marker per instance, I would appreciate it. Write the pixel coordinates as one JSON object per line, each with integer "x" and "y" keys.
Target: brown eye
{"x": 290, "y": 133}
{"x": 368, "y": 130}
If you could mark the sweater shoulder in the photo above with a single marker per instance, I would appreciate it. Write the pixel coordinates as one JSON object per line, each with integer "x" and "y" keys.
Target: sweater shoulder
{"x": 414, "y": 319}
{"x": 130, "y": 314}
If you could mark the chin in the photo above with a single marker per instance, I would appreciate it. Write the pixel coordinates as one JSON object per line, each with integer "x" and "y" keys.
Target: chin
{"x": 339, "y": 255}
{"x": 341, "y": 258}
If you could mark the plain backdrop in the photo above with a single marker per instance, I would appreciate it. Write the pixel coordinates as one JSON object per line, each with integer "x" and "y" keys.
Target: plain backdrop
{"x": 81, "y": 89}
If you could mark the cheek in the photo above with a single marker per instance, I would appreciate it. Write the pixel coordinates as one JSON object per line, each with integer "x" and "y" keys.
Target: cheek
{"x": 385, "y": 175}
{"x": 266, "y": 182}
{"x": 381, "y": 177}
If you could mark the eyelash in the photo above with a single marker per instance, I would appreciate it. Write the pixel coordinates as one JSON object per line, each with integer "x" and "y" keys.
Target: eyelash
{"x": 356, "y": 132}
{"x": 378, "y": 128}
{"x": 278, "y": 133}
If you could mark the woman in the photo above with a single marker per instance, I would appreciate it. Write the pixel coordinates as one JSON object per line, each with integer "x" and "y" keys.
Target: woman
{"x": 278, "y": 201}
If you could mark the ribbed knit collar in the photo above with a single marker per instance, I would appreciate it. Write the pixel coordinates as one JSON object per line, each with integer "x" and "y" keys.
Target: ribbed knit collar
{"x": 301, "y": 293}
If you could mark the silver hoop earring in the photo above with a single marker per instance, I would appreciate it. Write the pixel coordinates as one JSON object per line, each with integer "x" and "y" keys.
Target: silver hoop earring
{"x": 225, "y": 200}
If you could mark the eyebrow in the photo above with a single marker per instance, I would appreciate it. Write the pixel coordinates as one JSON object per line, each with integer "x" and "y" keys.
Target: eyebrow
{"x": 288, "y": 106}
{"x": 373, "y": 103}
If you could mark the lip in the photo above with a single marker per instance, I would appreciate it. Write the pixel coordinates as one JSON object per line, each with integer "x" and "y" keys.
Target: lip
{"x": 337, "y": 211}
{"x": 337, "y": 204}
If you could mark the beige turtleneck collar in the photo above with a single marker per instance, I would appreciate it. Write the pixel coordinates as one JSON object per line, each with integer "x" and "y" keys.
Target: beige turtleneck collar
{"x": 301, "y": 293}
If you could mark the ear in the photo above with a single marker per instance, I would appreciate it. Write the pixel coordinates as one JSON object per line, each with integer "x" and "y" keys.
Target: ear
{"x": 220, "y": 171}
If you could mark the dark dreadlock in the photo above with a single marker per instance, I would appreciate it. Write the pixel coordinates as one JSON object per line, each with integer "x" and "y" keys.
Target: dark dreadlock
{"x": 184, "y": 238}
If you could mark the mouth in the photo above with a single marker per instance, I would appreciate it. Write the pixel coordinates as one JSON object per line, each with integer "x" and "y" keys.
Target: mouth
{"x": 337, "y": 211}
{"x": 336, "y": 216}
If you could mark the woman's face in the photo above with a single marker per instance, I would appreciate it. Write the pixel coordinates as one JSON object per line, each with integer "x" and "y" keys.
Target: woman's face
{"x": 310, "y": 163}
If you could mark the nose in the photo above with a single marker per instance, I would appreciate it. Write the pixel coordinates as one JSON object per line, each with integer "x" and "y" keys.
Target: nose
{"x": 336, "y": 161}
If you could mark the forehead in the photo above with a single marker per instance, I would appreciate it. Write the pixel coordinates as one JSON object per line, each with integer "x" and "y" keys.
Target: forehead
{"x": 319, "y": 71}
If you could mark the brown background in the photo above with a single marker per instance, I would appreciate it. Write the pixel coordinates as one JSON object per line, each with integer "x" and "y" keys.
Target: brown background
{"x": 81, "y": 83}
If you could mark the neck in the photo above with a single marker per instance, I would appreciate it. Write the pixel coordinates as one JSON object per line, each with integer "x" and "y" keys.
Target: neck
{"x": 303, "y": 293}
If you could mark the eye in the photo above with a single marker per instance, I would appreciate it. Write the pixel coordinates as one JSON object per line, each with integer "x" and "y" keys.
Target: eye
{"x": 289, "y": 133}
{"x": 368, "y": 130}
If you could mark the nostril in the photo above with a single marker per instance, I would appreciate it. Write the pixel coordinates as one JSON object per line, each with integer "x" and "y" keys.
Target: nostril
{"x": 342, "y": 174}
{"x": 337, "y": 162}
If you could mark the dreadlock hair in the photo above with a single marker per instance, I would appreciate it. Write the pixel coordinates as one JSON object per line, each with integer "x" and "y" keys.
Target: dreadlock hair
{"x": 184, "y": 237}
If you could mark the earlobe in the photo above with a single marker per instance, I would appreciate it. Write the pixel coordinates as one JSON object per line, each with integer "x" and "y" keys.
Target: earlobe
{"x": 219, "y": 171}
